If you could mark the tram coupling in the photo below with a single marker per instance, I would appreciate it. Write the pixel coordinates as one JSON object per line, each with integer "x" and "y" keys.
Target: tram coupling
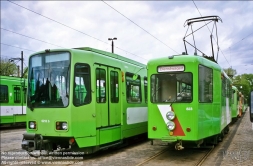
{"x": 179, "y": 145}
{"x": 29, "y": 142}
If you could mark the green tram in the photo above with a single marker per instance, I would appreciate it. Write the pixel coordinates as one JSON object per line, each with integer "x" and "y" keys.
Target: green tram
{"x": 12, "y": 101}
{"x": 235, "y": 106}
{"x": 83, "y": 100}
{"x": 189, "y": 100}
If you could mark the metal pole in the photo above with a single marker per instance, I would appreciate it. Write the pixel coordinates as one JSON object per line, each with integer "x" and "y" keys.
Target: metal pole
{"x": 112, "y": 46}
{"x": 22, "y": 64}
{"x": 18, "y": 71}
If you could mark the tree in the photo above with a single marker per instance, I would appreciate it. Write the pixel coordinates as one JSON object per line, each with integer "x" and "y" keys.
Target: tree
{"x": 25, "y": 75}
{"x": 244, "y": 82}
{"x": 230, "y": 72}
{"x": 8, "y": 68}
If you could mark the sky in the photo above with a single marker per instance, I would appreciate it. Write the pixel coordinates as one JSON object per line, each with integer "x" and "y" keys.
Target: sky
{"x": 144, "y": 29}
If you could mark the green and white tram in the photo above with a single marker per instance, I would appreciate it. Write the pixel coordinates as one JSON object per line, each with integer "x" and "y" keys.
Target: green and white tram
{"x": 189, "y": 100}
{"x": 12, "y": 101}
{"x": 84, "y": 99}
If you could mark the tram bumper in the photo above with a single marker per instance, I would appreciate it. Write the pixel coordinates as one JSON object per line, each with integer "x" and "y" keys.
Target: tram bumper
{"x": 169, "y": 139}
{"x": 30, "y": 140}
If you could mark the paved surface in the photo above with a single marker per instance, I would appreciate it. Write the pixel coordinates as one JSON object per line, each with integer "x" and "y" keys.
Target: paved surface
{"x": 235, "y": 151}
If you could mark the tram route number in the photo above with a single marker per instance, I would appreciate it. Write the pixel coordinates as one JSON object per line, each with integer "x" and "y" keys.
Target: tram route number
{"x": 45, "y": 121}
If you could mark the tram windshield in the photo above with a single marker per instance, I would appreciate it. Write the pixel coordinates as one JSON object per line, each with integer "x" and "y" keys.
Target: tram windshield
{"x": 171, "y": 87}
{"x": 49, "y": 75}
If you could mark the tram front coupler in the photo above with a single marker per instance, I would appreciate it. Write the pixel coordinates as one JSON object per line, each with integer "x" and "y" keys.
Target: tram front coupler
{"x": 32, "y": 142}
{"x": 179, "y": 145}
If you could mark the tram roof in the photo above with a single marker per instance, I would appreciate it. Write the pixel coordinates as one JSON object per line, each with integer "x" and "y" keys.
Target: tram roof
{"x": 116, "y": 56}
{"x": 112, "y": 55}
{"x": 184, "y": 59}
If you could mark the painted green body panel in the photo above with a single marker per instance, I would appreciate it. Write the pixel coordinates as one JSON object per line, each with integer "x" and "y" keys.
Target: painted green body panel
{"x": 109, "y": 135}
{"x": 203, "y": 119}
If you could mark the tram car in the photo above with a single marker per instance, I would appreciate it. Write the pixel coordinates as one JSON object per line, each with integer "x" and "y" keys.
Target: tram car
{"x": 244, "y": 105}
{"x": 190, "y": 100}
{"x": 235, "y": 106}
{"x": 12, "y": 101}
{"x": 83, "y": 100}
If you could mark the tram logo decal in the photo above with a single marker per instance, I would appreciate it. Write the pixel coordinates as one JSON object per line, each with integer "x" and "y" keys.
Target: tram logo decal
{"x": 178, "y": 131}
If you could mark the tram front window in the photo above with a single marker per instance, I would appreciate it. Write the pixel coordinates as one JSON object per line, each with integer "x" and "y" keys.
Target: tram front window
{"x": 48, "y": 80}
{"x": 171, "y": 87}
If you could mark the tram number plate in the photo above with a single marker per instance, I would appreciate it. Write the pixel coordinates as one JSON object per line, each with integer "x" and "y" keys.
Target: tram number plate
{"x": 189, "y": 109}
{"x": 45, "y": 121}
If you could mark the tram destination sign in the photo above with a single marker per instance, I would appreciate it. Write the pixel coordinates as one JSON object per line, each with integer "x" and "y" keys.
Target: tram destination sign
{"x": 170, "y": 68}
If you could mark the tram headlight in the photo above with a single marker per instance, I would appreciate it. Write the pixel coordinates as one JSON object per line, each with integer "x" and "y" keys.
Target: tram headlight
{"x": 32, "y": 125}
{"x": 61, "y": 125}
{"x": 171, "y": 125}
{"x": 170, "y": 115}
{"x": 64, "y": 126}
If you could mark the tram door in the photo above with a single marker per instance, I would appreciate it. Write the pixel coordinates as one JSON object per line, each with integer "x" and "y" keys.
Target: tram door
{"x": 108, "y": 88}
{"x": 19, "y": 99}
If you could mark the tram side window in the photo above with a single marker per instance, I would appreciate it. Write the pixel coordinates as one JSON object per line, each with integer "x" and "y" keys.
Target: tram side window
{"x": 114, "y": 86}
{"x": 205, "y": 84}
{"x": 223, "y": 87}
{"x": 146, "y": 89}
{"x": 17, "y": 95}
{"x": 133, "y": 88}
{"x": 4, "y": 94}
{"x": 82, "y": 87}
{"x": 101, "y": 85}
{"x": 25, "y": 89}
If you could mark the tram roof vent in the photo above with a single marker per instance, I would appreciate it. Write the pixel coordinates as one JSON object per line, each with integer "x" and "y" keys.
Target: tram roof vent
{"x": 171, "y": 56}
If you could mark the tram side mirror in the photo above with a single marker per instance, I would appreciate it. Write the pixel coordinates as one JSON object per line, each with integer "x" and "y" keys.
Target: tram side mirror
{"x": 135, "y": 76}
{"x": 251, "y": 106}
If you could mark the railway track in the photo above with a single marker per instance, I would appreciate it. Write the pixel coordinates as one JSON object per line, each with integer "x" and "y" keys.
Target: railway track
{"x": 140, "y": 154}
{"x": 156, "y": 158}
{"x": 199, "y": 163}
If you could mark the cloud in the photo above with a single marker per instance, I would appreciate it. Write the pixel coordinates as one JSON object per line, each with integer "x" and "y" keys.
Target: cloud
{"x": 91, "y": 23}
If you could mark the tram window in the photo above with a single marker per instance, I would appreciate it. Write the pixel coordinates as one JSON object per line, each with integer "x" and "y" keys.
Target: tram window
{"x": 146, "y": 89}
{"x": 171, "y": 87}
{"x": 17, "y": 96}
{"x": 4, "y": 94}
{"x": 205, "y": 84}
{"x": 133, "y": 88}
{"x": 114, "y": 86}
{"x": 101, "y": 85}
{"x": 25, "y": 89}
{"x": 82, "y": 87}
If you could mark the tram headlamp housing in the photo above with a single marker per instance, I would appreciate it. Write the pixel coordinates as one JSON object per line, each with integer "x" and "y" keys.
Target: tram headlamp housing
{"x": 32, "y": 124}
{"x": 171, "y": 125}
{"x": 61, "y": 125}
{"x": 64, "y": 125}
{"x": 170, "y": 115}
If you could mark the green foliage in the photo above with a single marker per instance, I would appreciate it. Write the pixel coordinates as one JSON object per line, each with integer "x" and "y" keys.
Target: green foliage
{"x": 8, "y": 68}
{"x": 25, "y": 72}
{"x": 230, "y": 72}
{"x": 244, "y": 82}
